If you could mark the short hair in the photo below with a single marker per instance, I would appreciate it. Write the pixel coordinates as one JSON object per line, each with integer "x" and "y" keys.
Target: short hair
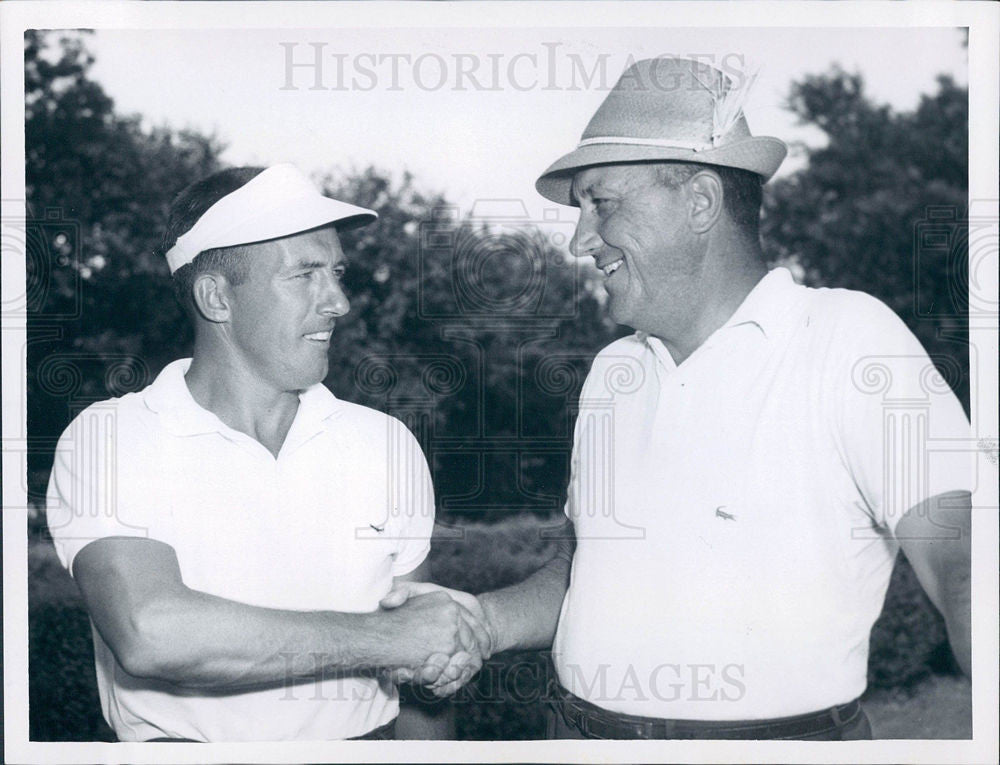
{"x": 742, "y": 190}
{"x": 188, "y": 206}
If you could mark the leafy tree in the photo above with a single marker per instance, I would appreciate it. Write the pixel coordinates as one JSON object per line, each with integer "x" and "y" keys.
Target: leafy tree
{"x": 855, "y": 216}
{"x": 101, "y": 319}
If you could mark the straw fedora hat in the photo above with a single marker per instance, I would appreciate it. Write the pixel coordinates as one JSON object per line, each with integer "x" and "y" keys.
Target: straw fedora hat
{"x": 668, "y": 109}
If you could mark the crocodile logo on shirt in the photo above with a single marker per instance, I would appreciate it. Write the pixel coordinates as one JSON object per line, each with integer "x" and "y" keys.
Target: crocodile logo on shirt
{"x": 719, "y": 513}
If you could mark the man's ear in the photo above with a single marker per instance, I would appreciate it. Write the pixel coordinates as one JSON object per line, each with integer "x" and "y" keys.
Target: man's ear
{"x": 211, "y": 297}
{"x": 706, "y": 195}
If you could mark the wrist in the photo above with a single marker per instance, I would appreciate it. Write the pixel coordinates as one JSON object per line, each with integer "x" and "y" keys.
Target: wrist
{"x": 376, "y": 639}
{"x": 494, "y": 623}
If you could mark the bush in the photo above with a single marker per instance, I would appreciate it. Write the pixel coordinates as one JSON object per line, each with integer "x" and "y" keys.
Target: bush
{"x": 62, "y": 687}
{"x": 909, "y": 641}
{"x": 489, "y": 556}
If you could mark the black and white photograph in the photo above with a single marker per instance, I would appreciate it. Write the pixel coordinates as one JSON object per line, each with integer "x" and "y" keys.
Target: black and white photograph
{"x": 500, "y": 382}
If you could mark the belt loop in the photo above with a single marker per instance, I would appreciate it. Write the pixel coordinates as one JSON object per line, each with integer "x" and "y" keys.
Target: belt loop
{"x": 563, "y": 706}
{"x": 835, "y": 714}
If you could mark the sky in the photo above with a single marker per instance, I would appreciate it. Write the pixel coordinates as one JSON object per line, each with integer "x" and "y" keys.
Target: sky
{"x": 476, "y": 113}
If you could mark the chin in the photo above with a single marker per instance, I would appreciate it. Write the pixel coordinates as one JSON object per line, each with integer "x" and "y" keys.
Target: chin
{"x": 619, "y": 316}
{"x": 308, "y": 379}
{"x": 316, "y": 378}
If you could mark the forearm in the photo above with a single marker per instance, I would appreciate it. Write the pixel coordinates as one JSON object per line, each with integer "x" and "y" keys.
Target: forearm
{"x": 525, "y": 615}
{"x": 959, "y": 624}
{"x": 954, "y": 601}
{"x": 159, "y": 628}
{"x": 936, "y": 538}
{"x": 196, "y": 640}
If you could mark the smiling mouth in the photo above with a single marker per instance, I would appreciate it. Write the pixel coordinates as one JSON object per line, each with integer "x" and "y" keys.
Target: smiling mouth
{"x": 320, "y": 337}
{"x": 610, "y": 268}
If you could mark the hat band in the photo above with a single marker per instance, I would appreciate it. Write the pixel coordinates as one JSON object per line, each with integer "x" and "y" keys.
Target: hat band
{"x": 663, "y": 143}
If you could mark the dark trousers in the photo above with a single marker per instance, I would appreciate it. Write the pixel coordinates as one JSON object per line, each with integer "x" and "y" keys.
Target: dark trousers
{"x": 573, "y": 718}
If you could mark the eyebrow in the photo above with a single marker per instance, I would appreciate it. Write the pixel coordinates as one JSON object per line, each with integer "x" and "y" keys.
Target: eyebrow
{"x": 308, "y": 264}
{"x": 305, "y": 264}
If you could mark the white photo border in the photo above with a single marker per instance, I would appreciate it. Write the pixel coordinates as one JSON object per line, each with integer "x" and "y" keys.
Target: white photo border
{"x": 983, "y": 21}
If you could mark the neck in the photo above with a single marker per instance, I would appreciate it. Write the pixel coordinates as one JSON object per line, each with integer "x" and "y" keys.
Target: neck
{"x": 728, "y": 275}
{"x": 241, "y": 399}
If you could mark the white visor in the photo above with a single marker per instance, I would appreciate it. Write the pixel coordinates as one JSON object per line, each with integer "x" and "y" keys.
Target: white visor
{"x": 280, "y": 201}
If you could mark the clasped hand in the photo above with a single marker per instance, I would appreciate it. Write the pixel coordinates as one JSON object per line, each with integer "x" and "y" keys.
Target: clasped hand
{"x": 442, "y": 636}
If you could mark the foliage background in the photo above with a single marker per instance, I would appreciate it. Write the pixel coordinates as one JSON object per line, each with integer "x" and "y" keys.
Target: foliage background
{"x": 102, "y": 322}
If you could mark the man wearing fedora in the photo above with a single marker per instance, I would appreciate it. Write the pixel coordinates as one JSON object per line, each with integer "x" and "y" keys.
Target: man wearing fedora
{"x": 233, "y": 526}
{"x": 745, "y": 467}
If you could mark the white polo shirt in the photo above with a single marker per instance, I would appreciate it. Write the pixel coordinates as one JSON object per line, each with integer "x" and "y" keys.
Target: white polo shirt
{"x": 734, "y": 514}
{"x": 346, "y": 506}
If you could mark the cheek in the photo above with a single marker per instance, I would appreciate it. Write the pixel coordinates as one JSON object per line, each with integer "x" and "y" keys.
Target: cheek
{"x": 266, "y": 323}
{"x": 254, "y": 334}
{"x": 619, "y": 232}
{"x": 636, "y": 244}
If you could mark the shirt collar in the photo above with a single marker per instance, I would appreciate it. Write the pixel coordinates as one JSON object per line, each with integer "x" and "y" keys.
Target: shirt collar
{"x": 170, "y": 397}
{"x": 767, "y": 303}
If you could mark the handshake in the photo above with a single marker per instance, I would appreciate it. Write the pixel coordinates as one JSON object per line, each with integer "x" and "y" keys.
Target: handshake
{"x": 435, "y": 637}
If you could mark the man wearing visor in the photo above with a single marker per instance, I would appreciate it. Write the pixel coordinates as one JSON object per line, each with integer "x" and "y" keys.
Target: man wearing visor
{"x": 233, "y": 526}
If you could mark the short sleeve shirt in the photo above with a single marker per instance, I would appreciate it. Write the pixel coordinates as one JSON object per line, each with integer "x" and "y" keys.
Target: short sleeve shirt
{"x": 346, "y": 506}
{"x": 735, "y": 513}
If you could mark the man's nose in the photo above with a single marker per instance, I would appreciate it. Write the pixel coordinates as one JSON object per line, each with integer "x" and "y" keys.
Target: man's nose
{"x": 333, "y": 301}
{"x": 585, "y": 241}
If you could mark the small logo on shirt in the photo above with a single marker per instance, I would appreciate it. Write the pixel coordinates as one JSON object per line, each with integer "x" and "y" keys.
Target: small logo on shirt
{"x": 720, "y": 513}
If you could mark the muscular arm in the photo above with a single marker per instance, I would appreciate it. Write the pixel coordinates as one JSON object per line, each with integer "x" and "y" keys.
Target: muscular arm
{"x": 936, "y": 538}
{"x": 159, "y": 628}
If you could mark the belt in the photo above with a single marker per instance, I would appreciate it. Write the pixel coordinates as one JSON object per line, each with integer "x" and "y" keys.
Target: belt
{"x": 595, "y": 722}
